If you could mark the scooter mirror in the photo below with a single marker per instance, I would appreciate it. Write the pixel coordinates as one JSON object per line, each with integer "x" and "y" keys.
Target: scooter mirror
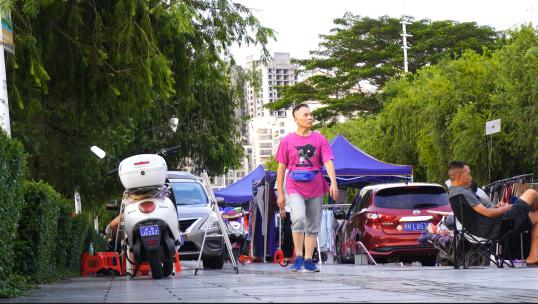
{"x": 98, "y": 151}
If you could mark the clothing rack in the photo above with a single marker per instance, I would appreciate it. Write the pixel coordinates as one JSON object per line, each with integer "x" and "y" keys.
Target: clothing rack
{"x": 510, "y": 179}
{"x": 336, "y": 206}
{"x": 529, "y": 177}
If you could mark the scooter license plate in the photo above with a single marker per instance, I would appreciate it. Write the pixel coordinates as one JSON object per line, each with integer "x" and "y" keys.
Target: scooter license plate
{"x": 149, "y": 230}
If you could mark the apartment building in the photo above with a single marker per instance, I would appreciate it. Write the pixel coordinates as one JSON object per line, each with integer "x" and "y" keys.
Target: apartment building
{"x": 265, "y": 128}
{"x": 262, "y": 132}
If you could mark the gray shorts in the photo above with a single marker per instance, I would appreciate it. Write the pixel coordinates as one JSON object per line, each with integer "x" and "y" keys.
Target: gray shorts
{"x": 305, "y": 214}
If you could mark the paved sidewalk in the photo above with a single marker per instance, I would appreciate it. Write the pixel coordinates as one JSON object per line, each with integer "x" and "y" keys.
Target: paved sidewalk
{"x": 272, "y": 283}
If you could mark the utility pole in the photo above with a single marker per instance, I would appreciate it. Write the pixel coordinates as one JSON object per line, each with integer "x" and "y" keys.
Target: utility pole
{"x": 6, "y": 40}
{"x": 404, "y": 41}
{"x": 4, "y": 105}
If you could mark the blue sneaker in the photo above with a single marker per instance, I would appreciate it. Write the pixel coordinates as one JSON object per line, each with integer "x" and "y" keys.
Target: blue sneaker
{"x": 310, "y": 266}
{"x": 298, "y": 265}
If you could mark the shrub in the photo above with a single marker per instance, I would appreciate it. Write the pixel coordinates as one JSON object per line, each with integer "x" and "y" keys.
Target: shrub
{"x": 63, "y": 238}
{"x": 50, "y": 240}
{"x": 77, "y": 240}
{"x": 36, "y": 248}
{"x": 12, "y": 165}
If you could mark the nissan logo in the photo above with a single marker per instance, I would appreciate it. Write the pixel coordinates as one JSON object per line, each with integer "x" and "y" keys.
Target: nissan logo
{"x": 416, "y": 212}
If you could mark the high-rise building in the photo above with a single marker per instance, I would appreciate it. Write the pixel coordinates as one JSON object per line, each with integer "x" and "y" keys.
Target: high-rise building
{"x": 265, "y": 127}
{"x": 268, "y": 77}
{"x": 262, "y": 132}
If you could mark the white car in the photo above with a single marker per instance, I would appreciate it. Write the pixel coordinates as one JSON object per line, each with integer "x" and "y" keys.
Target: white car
{"x": 195, "y": 216}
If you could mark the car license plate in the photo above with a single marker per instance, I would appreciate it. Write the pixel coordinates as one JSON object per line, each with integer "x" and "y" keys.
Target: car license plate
{"x": 149, "y": 230}
{"x": 415, "y": 226}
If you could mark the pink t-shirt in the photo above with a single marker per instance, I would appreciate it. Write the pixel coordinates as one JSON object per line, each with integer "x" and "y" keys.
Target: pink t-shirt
{"x": 305, "y": 153}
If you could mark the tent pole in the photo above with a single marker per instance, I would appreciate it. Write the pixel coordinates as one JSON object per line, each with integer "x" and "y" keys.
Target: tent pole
{"x": 266, "y": 216}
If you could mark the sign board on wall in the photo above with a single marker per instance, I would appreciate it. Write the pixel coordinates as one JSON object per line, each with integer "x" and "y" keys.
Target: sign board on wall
{"x": 6, "y": 39}
{"x": 493, "y": 126}
{"x": 7, "y": 32}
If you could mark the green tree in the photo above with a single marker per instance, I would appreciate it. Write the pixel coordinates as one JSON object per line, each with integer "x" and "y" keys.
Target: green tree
{"x": 438, "y": 114}
{"x": 361, "y": 54}
{"x": 271, "y": 164}
{"x": 432, "y": 117}
{"x": 113, "y": 73}
{"x": 362, "y": 132}
{"x": 516, "y": 104}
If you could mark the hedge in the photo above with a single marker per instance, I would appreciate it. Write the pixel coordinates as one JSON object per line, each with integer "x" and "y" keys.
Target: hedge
{"x": 50, "y": 240}
{"x": 40, "y": 238}
{"x": 12, "y": 166}
{"x": 37, "y": 233}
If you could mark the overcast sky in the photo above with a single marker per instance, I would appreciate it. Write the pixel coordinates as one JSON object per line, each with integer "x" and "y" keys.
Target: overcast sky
{"x": 299, "y": 22}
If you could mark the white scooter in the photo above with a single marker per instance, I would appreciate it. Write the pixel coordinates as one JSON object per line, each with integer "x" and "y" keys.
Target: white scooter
{"x": 149, "y": 217}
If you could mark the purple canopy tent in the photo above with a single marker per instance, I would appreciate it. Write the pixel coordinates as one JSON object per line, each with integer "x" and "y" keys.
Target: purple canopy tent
{"x": 261, "y": 219}
{"x": 352, "y": 165}
{"x": 241, "y": 191}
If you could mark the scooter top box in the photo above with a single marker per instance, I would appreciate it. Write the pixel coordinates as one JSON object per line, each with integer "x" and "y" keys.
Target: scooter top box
{"x": 144, "y": 170}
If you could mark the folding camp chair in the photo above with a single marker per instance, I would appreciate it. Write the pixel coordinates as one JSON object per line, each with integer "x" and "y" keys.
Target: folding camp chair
{"x": 480, "y": 233}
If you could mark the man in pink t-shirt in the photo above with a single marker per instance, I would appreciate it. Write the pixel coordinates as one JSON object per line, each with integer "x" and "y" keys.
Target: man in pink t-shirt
{"x": 304, "y": 153}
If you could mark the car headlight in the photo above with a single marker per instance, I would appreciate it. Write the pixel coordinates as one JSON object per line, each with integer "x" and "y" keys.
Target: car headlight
{"x": 210, "y": 223}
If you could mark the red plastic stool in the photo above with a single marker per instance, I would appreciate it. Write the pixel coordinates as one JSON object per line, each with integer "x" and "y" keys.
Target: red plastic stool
{"x": 245, "y": 259}
{"x": 110, "y": 261}
{"x": 177, "y": 263}
{"x": 90, "y": 264}
{"x": 144, "y": 269}
{"x": 279, "y": 256}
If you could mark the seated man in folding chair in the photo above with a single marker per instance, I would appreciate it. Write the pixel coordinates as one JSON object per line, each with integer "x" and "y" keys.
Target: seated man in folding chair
{"x": 460, "y": 177}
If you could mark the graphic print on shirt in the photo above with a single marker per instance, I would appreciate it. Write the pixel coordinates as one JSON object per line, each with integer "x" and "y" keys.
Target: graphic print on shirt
{"x": 305, "y": 153}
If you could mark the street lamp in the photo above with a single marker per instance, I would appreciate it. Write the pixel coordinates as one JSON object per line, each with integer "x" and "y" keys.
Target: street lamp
{"x": 98, "y": 151}
{"x": 174, "y": 121}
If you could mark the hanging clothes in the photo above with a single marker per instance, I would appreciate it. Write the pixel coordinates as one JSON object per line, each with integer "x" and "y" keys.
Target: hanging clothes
{"x": 328, "y": 232}
{"x": 510, "y": 189}
{"x": 323, "y": 231}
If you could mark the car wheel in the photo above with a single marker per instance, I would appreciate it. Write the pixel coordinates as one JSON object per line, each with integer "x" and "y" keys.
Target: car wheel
{"x": 339, "y": 256}
{"x": 214, "y": 262}
{"x": 429, "y": 261}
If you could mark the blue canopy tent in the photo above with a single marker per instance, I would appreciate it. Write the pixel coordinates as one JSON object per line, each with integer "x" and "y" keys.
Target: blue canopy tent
{"x": 241, "y": 191}
{"x": 263, "y": 209}
{"x": 254, "y": 191}
{"x": 245, "y": 193}
{"x": 354, "y": 166}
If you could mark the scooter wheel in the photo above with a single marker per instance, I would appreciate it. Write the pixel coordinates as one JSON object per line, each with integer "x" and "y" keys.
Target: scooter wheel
{"x": 168, "y": 266}
{"x": 154, "y": 259}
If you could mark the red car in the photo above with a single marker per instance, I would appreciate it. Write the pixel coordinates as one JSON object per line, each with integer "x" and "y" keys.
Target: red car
{"x": 388, "y": 219}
